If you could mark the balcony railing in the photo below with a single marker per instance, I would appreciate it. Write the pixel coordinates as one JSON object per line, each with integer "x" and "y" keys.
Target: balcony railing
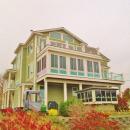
{"x": 74, "y": 47}
{"x": 89, "y": 75}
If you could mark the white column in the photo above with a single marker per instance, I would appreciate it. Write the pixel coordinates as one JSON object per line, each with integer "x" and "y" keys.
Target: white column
{"x": 9, "y": 82}
{"x": 65, "y": 91}
{"x": 93, "y": 96}
{"x": 45, "y": 92}
{"x": 80, "y": 86}
{"x": 7, "y": 98}
{"x": 22, "y": 95}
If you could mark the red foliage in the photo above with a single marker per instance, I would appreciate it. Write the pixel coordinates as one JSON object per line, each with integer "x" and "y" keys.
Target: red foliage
{"x": 122, "y": 101}
{"x": 20, "y": 120}
{"x": 94, "y": 121}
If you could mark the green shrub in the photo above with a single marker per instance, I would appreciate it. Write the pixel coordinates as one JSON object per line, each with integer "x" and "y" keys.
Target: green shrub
{"x": 64, "y": 106}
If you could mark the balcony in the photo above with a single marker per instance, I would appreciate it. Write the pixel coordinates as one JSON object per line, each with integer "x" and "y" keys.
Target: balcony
{"x": 89, "y": 75}
{"x": 74, "y": 47}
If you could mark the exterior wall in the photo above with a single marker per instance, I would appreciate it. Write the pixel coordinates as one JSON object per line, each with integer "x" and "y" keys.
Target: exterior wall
{"x": 55, "y": 92}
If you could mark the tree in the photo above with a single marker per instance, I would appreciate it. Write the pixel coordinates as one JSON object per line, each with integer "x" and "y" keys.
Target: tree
{"x": 126, "y": 94}
{"x": 1, "y": 89}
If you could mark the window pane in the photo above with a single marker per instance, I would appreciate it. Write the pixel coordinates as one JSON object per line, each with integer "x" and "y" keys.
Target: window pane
{"x": 103, "y": 95}
{"x": 96, "y": 67}
{"x": 108, "y": 95}
{"x": 55, "y": 35}
{"x": 80, "y": 64}
{"x": 78, "y": 95}
{"x": 63, "y": 62}
{"x": 67, "y": 38}
{"x": 98, "y": 95}
{"x": 89, "y": 66}
{"x": 113, "y": 93}
{"x": 73, "y": 63}
{"x": 54, "y": 61}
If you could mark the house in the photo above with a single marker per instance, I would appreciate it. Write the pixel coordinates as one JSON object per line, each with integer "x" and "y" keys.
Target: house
{"x": 58, "y": 63}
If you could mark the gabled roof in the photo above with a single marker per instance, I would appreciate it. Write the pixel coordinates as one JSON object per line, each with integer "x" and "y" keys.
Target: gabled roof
{"x": 62, "y": 29}
{"x": 18, "y": 47}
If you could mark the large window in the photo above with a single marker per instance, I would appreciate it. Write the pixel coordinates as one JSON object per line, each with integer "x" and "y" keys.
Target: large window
{"x": 80, "y": 65}
{"x": 55, "y": 35}
{"x": 73, "y": 63}
{"x": 68, "y": 38}
{"x": 89, "y": 66}
{"x": 54, "y": 61}
{"x": 30, "y": 48}
{"x": 41, "y": 44}
{"x": 96, "y": 67}
{"x": 106, "y": 95}
{"x": 62, "y": 62}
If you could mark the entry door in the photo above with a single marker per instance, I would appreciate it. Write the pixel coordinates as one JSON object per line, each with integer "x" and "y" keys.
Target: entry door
{"x": 42, "y": 92}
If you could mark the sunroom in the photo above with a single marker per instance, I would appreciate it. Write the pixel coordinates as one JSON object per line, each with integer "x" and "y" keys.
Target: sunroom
{"x": 98, "y": 95}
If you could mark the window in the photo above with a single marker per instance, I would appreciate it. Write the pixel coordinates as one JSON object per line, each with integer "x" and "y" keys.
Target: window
{"x": 54, "y": 61}
{"x": 89, "y": 66}
{"x": 62, "y": 62}
{"x": 103, "y": 95}
{"x": 55, "y": 35}
{"x": 30, "y": 70}
{"x": 74, "y": 89}
{"x": 98, "y": 95}
{"x": 41, "y": 44}
{"x": 68, "y": 38}
{"x": 44, "y": 62}
{"x": 73, "y": 63}
{"x": 108, "y": 95}
{"x": 30, "y": 48}
{"x": 38, "y": 66}
{"x": 113, "y": 94}
{"x": 80, "y": 65}
{"x": 96, "y": 67}
{"x": 85, "y": 96}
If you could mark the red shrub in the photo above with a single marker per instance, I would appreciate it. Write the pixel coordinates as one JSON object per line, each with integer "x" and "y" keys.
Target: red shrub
{"x": 94, "y": 121}
{"x": 20, "y": 120}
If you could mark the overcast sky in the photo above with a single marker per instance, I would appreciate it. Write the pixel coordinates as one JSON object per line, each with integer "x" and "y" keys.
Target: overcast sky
{"x": 101, "y": 23}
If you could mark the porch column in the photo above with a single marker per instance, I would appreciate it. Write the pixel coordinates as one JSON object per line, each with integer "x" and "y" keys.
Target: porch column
{"x": 23, "y": 86}
{"x": 45, "y": 92}
{"x": 9, "y": 80}
{"x": 93, "y": 96}
{"x": 65, "y": 91}
{"x": 80, "y": 86}
{"x": 7, "y": 98}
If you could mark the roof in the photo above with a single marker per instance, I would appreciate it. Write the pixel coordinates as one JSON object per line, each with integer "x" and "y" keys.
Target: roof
{"x": 18, "y": 47}
{"x": 101, "y": 88}
{"x": 55, "y": 29}
{"x": 7, "y": 72}
{"x": 13, "y": 60}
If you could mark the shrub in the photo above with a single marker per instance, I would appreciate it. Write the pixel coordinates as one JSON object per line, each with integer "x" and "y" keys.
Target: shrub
{"x": 64, "y": 106}
{"x": 20, "y": 120}
{"x": 94, "y": 121}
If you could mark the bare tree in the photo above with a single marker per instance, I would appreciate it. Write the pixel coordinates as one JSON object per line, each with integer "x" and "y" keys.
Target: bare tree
{"x": 1, "y": 89}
